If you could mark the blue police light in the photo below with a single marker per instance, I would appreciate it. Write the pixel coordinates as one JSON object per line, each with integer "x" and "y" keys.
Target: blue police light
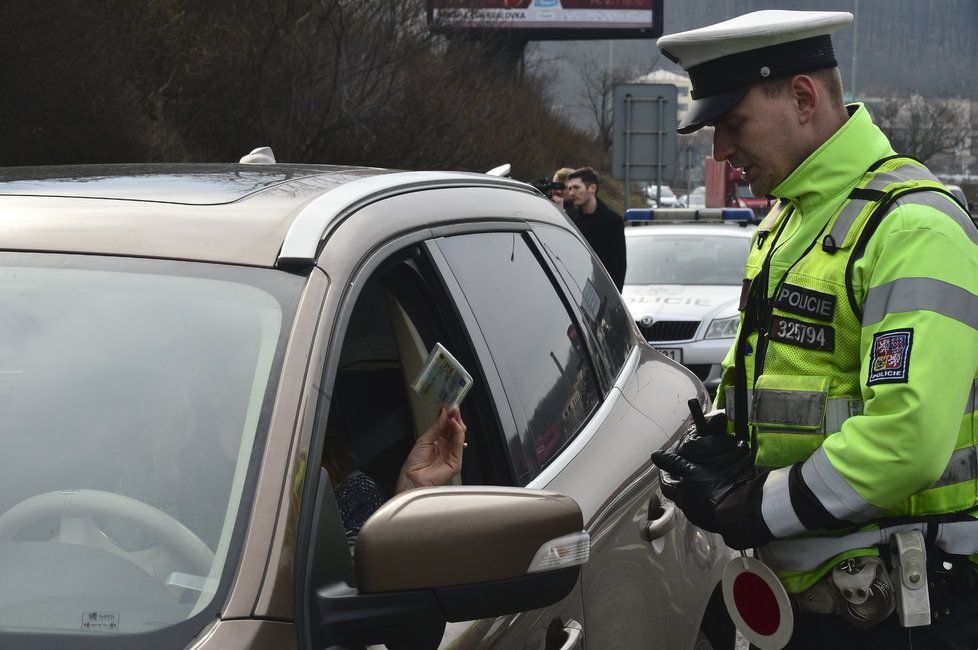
{"x": 640, "y": 214}
{"x": 738, "y": 214}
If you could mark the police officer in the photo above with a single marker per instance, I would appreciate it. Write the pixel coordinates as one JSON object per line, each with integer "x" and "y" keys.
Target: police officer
{"x": 851, "y": 388}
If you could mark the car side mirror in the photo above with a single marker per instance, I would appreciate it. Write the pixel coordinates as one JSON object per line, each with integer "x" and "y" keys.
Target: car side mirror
{"x": 434, "y": 555}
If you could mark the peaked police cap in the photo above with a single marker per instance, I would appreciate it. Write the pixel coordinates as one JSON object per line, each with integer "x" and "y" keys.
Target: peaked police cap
{"x": 724, "y": 59}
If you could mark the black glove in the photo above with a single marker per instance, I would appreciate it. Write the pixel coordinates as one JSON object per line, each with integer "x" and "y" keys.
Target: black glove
{"x": 716, "y": 449}
{"x": 695, "y": 488}
{"x": 716, "y": 424}
{"x": 713, "y": 502}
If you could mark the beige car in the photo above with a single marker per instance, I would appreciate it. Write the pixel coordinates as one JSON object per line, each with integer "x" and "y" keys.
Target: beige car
{"x": 185, "y": 348}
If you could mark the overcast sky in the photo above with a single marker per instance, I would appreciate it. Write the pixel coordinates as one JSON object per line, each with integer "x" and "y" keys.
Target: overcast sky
{"x": 900, "y": 42}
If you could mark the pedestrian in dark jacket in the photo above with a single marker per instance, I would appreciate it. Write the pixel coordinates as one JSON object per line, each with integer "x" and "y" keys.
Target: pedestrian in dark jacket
{"x": 601, "y": 226}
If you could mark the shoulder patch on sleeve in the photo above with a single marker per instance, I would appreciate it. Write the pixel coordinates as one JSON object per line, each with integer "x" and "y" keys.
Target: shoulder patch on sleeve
{"x": 889, "y": 360}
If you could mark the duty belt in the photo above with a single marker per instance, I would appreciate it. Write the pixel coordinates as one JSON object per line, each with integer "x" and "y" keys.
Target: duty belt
{"x": 810, "y": 552}
{"x": 921, "y": 585}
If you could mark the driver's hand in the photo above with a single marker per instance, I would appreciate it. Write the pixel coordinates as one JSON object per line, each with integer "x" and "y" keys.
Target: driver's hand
{"x": 436, "y": 457}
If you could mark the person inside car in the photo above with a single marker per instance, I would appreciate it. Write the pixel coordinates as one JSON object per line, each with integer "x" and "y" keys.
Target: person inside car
{"x": 435, "y": 459}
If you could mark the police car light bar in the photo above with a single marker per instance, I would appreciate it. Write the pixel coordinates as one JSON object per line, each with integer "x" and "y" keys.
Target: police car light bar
{"x": 637, "y": 216}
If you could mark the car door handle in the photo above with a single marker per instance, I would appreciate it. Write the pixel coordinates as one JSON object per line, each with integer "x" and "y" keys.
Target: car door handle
{"x": 662, "y": 524}
{"x": 574, "y": 635}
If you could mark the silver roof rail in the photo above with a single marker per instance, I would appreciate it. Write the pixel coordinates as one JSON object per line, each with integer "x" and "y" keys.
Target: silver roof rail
{"x": 319, "y": 216}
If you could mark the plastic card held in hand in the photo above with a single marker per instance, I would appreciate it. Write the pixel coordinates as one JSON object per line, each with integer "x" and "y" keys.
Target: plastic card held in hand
{"x": 442, "y": 381}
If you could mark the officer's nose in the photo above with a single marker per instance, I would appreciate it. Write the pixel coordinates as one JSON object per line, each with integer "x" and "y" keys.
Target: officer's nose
{"x": 722, "y": 144}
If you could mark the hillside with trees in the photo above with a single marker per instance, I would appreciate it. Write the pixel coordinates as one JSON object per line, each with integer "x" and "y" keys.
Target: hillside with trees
{"x": 330, "y": 81}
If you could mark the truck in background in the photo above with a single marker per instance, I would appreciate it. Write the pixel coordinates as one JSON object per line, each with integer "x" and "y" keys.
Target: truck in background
{"x": 726, "y": 188}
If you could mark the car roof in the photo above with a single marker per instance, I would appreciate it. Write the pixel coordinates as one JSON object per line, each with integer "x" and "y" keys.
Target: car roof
{"x": 696, "y": 229}
{"x": 260, "y": 215}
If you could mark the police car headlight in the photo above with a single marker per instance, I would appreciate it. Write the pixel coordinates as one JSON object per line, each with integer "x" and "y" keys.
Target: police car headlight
{"x": 723, "y": 328}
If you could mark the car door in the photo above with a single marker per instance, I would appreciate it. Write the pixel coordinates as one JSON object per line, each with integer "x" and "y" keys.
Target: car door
{"x": 593, "y": 443}
{"x": 359, "y": 382}
{"x": 554, "y": 370}
{"x": 570, "y": 412}
{"x": 650, "y": 569}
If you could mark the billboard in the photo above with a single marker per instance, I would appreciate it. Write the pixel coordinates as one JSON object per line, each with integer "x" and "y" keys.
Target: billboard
{"x": 550, "y": 19}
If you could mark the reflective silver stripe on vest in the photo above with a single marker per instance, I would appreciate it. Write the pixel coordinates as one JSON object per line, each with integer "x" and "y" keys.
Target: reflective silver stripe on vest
{"x": 807, "y": 553}
{"x": 776, "y": 508}
{"x": 963, "y": 467}
{"x": 797, "y": 408}
{"x": 916, "y": 294}
{"x": 833, "y": 491}
{"x": 944, "y": 203}
{"x": 852, "y": 209}
{"x": 837, "y": 411}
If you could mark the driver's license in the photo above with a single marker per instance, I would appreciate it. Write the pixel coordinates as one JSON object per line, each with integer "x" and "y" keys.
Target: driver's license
{"x": 442, "y": 381}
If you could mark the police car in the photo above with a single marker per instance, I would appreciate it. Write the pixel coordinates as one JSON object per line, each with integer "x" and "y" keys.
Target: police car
{"x": 682, "y": 288}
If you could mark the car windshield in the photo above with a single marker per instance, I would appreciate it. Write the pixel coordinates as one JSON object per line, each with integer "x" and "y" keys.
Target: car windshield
{"x": 134, "y": 394}
{"x": 685, "y": 259}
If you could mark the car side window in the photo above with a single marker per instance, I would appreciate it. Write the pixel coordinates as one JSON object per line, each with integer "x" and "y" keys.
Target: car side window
{"x": 537, "y": 347}
{"x": 603, "y": 312}
{"x": 374, "y": 417}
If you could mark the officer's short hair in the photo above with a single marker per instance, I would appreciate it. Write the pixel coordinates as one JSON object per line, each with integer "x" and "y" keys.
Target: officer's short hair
{"x": 829, "y": 79}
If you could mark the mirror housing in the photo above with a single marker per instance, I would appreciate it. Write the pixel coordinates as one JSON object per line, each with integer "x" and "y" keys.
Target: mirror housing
{"x": 433, "y": 555}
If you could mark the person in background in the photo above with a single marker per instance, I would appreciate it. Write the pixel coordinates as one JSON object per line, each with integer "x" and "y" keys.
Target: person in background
{"x": 561, "y": 198}
{"x": 602, "y": 227}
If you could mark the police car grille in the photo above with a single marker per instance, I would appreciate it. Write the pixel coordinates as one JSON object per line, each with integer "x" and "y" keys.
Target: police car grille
{"x": 669, "y": 330}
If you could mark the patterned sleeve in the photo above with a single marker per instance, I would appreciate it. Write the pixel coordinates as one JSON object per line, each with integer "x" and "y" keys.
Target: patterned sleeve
{"x": 358, "y": 497}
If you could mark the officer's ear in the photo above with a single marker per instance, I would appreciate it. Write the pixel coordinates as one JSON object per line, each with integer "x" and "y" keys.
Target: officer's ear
{"x": 805, "y": 97}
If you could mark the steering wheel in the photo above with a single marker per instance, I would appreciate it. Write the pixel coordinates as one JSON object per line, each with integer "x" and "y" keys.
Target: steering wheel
{"x": 178, "y": 545}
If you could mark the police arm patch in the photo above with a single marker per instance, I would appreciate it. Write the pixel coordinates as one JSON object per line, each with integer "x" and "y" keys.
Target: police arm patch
{"x": 889, "y": 360}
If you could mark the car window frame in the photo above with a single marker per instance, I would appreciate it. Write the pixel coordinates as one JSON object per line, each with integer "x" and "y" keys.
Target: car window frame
{"x": 430, "y": 288}
{"x": 334, "y": 330}
{"x": 503, "y": 371}
{"x": 607, "y": 376}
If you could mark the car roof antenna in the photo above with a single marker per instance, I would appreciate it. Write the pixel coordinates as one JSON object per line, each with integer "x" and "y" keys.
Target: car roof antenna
{"x": 259, "y": 156}
{"x": 502, "y": 170}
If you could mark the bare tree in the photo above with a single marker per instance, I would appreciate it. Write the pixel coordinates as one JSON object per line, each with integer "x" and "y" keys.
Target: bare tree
{"x": 598, "y": 95}
{"x": 325, "y": 81}
{"x": 925, "y": 127}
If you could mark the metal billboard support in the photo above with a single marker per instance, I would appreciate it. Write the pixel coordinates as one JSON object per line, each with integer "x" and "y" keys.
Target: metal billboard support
{"x": 644, "y": 144}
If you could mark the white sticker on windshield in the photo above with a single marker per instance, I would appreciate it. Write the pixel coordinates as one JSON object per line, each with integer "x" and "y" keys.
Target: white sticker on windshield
{"x": 100, "y": 621}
